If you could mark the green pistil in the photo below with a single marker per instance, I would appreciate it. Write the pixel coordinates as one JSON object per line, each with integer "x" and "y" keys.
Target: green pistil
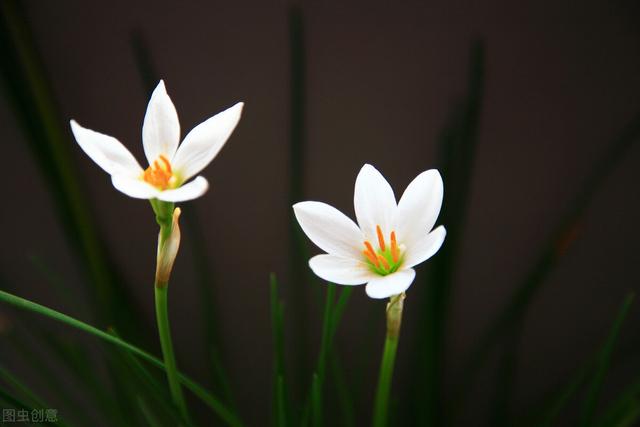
{"x": 380, "y": 268}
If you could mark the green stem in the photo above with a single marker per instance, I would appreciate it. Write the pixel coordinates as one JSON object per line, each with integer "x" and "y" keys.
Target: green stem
{"x": 394, "y": 320}
{"x": 164, "y": 331}
{"x": 168, "y": 244}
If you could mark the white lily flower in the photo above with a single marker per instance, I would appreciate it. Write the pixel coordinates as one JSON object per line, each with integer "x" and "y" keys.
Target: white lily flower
{"x": 389, "y": 240}
{"x": 170, "y": 165}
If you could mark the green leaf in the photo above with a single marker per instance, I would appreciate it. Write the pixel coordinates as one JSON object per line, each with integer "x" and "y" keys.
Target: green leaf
{"x": 549, "y": 256}
{"x": 34, "y": 104}
{"x": 602, "y": 364}
{"x": 457, "y": 147}
{"x": 316, "y": 401}
{"x": 212, "y": 402}
{"x": 280, "y": 404}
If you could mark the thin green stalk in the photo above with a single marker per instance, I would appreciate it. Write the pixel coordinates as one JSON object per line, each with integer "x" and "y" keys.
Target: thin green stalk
{"x": 345, "y": 399}
{"x": 281, "y": 410}
{"x": 33, "y": 101}
{"x": 32, "y": 401}
{"x": 327, "y": 334}
{"x": 204, "y": 272}
{"x": 31, "y": 398}
{"x": 325, "y": 346}
{"x": 150, "y": 385}
{"x": 602, "y": 366}
{"x": 457, "y": 146}
{"x": 201, "y": 393}
{"x": 148, "y": 415}
{"x": 394, "y": 320}
{"x": 298, "y": 248}
{"x": 617, "y": 409}
{"x": 280, "y": 404}
{"x": 164, "y": 332}
{"x": 338, "y": 310}
{"x": 168, "y": 244}
{"x": 551, "y": 254}
{"x": 19, "y": 404}
{"x": 316, "y": 401}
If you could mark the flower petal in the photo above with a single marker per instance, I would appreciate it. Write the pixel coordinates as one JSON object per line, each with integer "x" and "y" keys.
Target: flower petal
{"x": 189, "y": 191}
{"x": 343, "y": 271}
{"x": 392, "y": 284}
{"x": 374, "y": 202}
{"x": 330, "y": 229}
{"x": 134, "y": 187}
{"x": 204, "y": 142}
{"x": 419, "y": 207}
{"x": 106, "y": 151}
{"x": 424, "y": 248}
{"x": 161, "y": 128}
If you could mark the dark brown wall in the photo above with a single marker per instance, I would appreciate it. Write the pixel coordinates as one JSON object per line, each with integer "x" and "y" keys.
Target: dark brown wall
{"x": 562, "y": 79}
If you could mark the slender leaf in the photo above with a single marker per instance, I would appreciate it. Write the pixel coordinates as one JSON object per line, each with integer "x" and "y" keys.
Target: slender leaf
{"x": 218, "y": 407}
{"x": 316, "y": 401}
{"x": 457, "y": 152}
{"x": 35, "y": 107}
{"x": 298, "y": 249}
{"x": 345, "y": 399}
{"x": 551, "y": 253}
{"x": 280, "y": 404}
{"x": 602, "y": 365}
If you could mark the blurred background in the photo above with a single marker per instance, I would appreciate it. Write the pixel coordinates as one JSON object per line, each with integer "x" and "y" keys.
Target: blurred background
{"x": 530, "y": 110}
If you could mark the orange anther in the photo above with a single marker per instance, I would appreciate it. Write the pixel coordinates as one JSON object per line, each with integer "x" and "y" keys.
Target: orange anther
{"x": 371, "y": 258}
{"x": 384, "y": 262}
{"x": 158, "y": 175}
{"x": 380, "y": 238}
{"x": 370, "y": 253}
{"x": 167, "y": 165}
{"x": 394, "y": 248}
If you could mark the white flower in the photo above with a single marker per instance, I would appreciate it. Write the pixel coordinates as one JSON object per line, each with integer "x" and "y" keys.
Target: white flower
{"x": 390, "y": 239}
{"x": 170, "y": 166}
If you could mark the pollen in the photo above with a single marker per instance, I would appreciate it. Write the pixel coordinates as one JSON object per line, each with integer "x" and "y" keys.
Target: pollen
{"x": 386, "y": 258}
{"x": 159, "y": 173}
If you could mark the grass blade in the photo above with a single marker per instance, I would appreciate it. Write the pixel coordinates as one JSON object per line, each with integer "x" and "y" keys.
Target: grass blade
{"x": 147, "y": 413}
{"x": 151, "y": 385}
{"x": 457, "y": 152}
{"x": 345, "y": 399}
{"x": 316, "y": 401}
{"x": 30, "y": 93}
{"x": 280, "y": 404}
{"x": 602, "y": 364}
{"x": 298, "y": 250}
{"x": 218, "y": 407}
{"x": 550, "y": 255}
{"x": 21, "y": 405}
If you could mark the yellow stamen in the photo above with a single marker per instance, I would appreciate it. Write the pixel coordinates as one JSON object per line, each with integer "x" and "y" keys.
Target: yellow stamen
{"x": 167, "y": 165}
{"x": 384, "y": 262}
{"x": 380, "y": 238}
{"x": 159, "y": 173}
{"x": 370, "y": 253}
{"x": 394, "y": 248}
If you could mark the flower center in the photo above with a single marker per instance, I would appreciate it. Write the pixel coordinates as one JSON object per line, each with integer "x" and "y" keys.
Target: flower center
{"x": 387, "y": 259}
{"x": 159, "y": 173}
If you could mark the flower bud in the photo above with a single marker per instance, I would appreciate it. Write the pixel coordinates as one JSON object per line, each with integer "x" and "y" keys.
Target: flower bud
{"x": 167, "y": 251}
{"x": 394, "y": 315}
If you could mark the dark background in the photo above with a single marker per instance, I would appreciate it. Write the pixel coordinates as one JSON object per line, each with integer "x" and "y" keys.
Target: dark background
{"x": 561, "y": 82}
